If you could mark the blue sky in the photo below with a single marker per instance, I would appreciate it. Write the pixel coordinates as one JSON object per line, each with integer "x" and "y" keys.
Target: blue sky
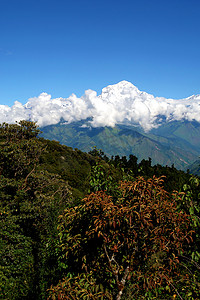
{"x": 63, "y": 47}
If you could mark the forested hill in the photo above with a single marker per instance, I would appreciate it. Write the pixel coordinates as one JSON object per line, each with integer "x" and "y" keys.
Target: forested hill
{"x": 174, "y": 143}
{"x": 78, "y": 225}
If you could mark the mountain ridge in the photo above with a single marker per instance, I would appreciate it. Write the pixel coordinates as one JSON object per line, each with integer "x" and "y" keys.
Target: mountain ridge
{"x": 124, "y": 140}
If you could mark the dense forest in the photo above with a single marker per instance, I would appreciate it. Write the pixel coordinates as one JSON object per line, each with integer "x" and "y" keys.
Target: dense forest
{"x": 78, "y": 225}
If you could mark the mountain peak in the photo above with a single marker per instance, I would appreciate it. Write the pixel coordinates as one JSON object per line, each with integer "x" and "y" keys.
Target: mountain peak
{"x": 120, "y": 90}
{"x": 120, "y": 103}
{"x": 121, "y": 86}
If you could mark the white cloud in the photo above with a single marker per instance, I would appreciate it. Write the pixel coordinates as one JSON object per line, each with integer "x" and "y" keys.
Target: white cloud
{"x": 120, "y": 103}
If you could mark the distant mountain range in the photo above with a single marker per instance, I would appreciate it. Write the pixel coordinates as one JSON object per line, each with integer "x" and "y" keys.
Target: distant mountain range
{"x": 121, "y": 120}
{"x": 175, "y": 143}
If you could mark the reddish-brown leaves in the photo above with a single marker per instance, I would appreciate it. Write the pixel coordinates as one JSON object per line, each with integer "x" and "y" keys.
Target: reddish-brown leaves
{"x": 141, "y": 228}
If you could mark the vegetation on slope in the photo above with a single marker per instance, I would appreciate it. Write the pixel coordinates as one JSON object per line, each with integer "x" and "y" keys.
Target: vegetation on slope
{"x": 131, "y": 237}
{"x": 165, "y": 145}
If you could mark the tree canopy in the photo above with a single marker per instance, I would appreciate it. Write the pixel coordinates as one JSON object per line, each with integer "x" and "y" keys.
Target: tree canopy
{"x": 80, "y": 225}
{"x": 135, "y": 240}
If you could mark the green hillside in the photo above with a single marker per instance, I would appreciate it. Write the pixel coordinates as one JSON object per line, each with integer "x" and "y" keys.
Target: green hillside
{"x": 195, "y": 168}
{"x": 185, "y": 133}
{"x": 163, "y": 148}
{"x": 78, "y": 225}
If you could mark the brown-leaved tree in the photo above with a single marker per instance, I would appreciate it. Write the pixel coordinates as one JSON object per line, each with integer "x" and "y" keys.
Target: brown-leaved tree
{"x": 133, "y": 241}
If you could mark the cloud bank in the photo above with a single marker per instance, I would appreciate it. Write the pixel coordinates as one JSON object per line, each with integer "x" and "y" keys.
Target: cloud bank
{"x": 121, "y": 103}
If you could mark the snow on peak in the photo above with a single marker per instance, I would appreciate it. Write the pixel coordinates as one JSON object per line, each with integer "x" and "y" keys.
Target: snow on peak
{"x": 120, "y": 103}
{"x": 122, "y": 85}
{"x": 120, "y": 89}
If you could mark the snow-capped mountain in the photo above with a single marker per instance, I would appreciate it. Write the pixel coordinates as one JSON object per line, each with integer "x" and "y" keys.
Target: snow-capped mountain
{"x": 121, "y": 120}
{"x": 121, "y": 103}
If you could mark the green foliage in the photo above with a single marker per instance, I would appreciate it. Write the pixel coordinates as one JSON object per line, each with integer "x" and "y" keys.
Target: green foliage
{"x": 73, "y": 166}
{"x": 122, "y": 241}
{"x": 30, "y": 201}
{"x": 83, "y": 286}
{"x": 17, "y": 261}
{"x": 190, "y": 203}
{"x": 21, "y": 150}
{"x": 19, "y": 131}
{"x": 103, "y": 178}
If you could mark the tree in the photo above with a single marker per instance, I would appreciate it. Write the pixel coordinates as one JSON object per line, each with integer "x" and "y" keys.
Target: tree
{"x": 30, "y": 201}
{"x": 134, "y": 240}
